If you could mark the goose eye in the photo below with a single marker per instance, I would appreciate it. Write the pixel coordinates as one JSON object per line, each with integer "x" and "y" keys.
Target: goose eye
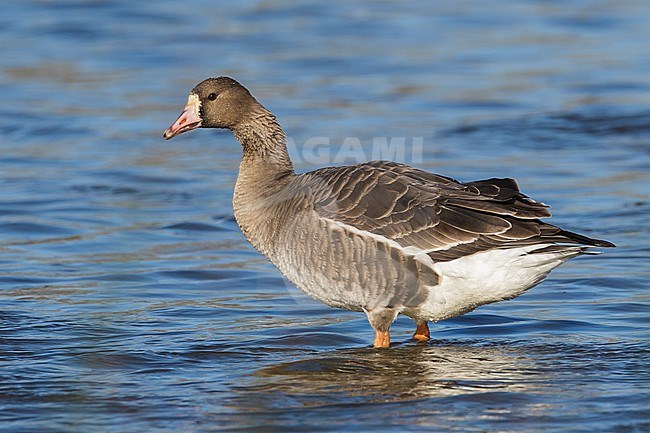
{"x": 212, "y": 96}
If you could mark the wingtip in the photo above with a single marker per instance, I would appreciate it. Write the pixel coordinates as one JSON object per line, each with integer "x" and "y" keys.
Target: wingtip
{"x": 585, "y": 240}
{"x": 604, "y": 244}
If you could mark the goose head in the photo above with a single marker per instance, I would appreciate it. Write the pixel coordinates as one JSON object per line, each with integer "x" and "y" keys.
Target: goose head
{"x": 214, "y": 103}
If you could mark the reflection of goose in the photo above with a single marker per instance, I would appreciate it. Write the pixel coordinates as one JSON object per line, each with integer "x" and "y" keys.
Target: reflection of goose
{"x": 405, "y": 374}
{"x": 380, "y": 237}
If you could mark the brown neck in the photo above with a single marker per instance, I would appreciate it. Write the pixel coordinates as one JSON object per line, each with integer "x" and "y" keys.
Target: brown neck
{"x": 263, "y": 143}
{"x": 264, "y": 172}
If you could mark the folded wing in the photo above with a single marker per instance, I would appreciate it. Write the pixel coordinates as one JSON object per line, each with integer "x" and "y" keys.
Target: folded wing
{"x": 433, "y": 214}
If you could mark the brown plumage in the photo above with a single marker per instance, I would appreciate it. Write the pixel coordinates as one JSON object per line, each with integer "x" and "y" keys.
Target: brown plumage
{"x": 380, "y": 237}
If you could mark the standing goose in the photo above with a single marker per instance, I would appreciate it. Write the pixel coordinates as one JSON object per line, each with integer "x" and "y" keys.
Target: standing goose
{"x": 380, "y": 237}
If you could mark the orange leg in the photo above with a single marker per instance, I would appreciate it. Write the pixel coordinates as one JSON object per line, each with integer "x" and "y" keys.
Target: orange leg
{"x": 422, "y": 332}
{"x": 380, "y": 319}
{"x": 382, "y": 339}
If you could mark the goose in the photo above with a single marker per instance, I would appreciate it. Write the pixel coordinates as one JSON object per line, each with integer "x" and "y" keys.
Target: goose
{"x": 380, "y": 237}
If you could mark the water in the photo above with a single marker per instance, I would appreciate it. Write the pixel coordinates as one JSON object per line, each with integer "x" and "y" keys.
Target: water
{"x": 130, "y": 302}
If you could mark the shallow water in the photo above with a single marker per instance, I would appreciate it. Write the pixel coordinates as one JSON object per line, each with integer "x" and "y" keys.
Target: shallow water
{"x": 130, "y": 302}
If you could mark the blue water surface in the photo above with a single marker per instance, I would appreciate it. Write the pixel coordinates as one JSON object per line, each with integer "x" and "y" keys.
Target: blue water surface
{"x": 130, "y": 301}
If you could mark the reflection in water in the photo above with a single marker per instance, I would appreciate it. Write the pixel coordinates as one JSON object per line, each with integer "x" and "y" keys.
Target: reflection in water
{"x": 445, "y": 386}
{"x": 403, "y": 374}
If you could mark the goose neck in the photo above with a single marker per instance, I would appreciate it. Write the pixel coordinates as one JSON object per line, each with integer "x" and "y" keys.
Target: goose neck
{"x": 264, "y": 143}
